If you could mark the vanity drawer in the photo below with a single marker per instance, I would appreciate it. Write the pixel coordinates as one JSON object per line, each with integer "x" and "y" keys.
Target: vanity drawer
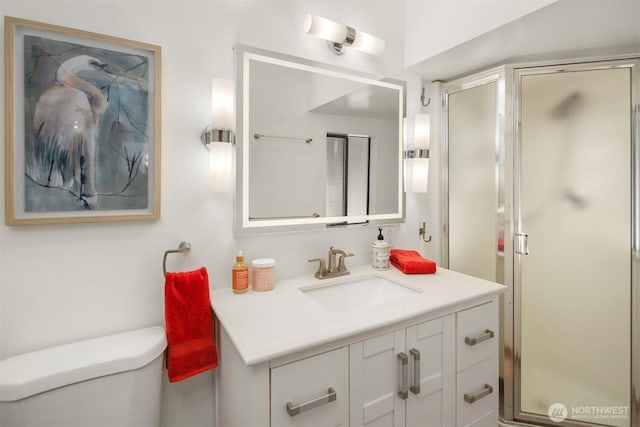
{"x": 476, "y": 335}
{"x": 312, "y": 391}
{"x": 477, "y": 395}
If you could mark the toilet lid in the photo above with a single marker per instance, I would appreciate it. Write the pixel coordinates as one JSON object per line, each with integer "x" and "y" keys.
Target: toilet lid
{"x": 31, "y": 373}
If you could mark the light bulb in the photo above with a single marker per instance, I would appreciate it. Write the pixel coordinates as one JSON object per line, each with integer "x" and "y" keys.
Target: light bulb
{"x": 222, "y": 104}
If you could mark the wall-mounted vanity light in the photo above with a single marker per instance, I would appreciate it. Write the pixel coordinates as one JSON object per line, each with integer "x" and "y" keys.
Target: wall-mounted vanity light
{"x": 338, "y": 36}
{"x": 218, "y": 137}
{"x": 419, "y": 156}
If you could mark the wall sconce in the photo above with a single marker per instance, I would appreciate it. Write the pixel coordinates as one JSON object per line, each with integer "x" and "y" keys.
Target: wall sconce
{"x": 419, "y": 156}
{"x": 218, "y": 137}
{"x": 338, "y": 36}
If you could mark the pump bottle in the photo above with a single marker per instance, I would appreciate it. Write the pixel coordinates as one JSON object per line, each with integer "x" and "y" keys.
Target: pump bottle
{"x": 240, "y": 275}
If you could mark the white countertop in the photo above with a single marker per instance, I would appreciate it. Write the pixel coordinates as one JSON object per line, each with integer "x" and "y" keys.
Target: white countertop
{"x": 267, "y": 325}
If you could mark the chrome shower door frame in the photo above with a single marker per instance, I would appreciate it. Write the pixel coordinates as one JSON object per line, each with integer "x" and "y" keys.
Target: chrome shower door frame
{"x": 515, "y": 387}
{"x": 497, "y": 76}
{"x": 509, "y": 222}
{"x": 504, "y": 224}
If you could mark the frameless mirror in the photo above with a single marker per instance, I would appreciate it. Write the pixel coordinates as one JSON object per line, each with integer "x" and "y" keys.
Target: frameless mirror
{"x": 316, "y": 145}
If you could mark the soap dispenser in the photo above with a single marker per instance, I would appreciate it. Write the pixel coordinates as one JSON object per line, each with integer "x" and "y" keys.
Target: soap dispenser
{"x": 240, "y": 275}
{"x": 380, "y": 250}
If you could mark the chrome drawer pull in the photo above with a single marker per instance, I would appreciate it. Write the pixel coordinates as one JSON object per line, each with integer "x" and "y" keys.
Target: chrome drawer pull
{"x": 404, "y": 378}
{"x": 415, "y": 388}
{"x": 318, "y": 401}
{"x": 487, "y": 335}
{"x": 470, "y": 398}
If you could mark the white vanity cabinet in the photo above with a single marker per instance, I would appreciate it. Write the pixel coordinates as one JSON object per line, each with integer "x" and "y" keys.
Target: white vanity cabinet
{"x": 427, "y": 360}
{"x": 405, "y": 377}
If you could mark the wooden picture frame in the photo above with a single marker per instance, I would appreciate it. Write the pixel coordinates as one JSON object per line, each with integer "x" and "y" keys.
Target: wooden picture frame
{"x": 82, "y": 126}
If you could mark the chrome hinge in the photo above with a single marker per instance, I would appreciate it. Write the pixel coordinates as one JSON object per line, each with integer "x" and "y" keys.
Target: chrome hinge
{"x": 521, "y": 243}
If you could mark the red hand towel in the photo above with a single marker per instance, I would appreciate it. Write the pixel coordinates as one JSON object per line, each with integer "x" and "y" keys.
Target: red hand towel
{"x": 189, "y": 323}
{"x": 411, "y": 262}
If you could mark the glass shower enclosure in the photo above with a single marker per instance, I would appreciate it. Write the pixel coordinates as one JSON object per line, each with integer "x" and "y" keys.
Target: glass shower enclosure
{"x": 541, "y": 194}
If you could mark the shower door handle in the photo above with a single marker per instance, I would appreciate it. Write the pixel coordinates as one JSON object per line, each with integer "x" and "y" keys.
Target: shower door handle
{"x": 522, "y": 243}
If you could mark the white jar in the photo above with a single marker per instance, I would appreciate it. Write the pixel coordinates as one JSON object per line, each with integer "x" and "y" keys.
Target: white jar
{"x": 380, "y": 251}
{"x": 263, "y": 274}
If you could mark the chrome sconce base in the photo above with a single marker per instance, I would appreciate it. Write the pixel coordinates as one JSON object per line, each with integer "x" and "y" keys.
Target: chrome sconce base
{"x": 338, "y": 48}
{"x": 416, "y": 154}
{"x": 210, "y": 135}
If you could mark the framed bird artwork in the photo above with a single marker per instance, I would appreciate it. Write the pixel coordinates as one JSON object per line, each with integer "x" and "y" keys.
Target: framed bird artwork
{"x": 82, "y": 126}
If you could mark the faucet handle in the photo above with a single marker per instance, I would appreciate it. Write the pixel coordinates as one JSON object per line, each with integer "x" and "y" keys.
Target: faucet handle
{"x": 322, "y": 269}
{"x": 341, "y": 266}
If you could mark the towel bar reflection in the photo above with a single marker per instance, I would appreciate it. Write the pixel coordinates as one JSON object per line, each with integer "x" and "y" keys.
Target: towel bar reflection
{"x": 182, "y": 247}
{"x": 257, "y": 136}
{"x": 258, "y": 218}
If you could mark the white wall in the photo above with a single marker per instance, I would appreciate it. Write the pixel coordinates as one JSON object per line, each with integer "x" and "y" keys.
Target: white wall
{"x": 287, "y": 176}
{"x": 61, "y": 283}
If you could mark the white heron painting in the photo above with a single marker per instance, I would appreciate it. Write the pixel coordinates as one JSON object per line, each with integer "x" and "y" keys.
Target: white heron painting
{"x": 87, "y": 120}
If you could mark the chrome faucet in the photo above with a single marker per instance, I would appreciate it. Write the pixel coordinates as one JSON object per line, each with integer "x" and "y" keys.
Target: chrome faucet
{"x": 336, "y": 264}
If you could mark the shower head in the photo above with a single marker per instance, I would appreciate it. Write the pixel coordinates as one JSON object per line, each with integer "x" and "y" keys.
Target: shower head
{"x": 567, "y": 106}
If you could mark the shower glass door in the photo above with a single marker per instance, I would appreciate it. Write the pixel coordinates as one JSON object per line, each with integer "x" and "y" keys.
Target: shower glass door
{"x": 573, "y": 223}
{"x": 473, "y": 205}
{"x": 472, "y": 181}
{"x": 348, "y": 185}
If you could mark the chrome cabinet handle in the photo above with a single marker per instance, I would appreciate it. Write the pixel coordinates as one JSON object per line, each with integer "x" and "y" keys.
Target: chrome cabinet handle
{"x": 486, "y": 391}
{"x": 486, "y": 335}
{"x": 404, "y": 378}
{"x": 415, "y": 388}
{"x": 306, "y": 406}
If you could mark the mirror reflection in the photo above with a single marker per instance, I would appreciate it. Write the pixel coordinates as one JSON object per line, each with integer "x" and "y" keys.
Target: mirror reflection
{"x": 319, "y": 145}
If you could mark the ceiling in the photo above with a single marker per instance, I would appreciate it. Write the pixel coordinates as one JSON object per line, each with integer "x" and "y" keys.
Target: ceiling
{"x": 567, "y": 29}
{"x": 369, "y": 101}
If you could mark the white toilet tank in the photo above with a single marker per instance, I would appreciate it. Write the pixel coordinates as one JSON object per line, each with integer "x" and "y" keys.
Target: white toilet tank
{"x": 110, "y": 381}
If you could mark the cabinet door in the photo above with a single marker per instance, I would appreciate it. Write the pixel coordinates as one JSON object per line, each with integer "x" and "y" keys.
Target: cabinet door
{"x": 430, "y": 347}
{"x": 311, "y": 392}
{"x": 374, "y": 378}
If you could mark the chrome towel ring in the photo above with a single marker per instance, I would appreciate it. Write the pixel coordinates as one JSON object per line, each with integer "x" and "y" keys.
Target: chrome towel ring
{"x": 182, "y": 247}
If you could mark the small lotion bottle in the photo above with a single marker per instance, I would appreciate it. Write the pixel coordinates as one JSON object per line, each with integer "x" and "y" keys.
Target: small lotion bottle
{"x": 240, "y": 275}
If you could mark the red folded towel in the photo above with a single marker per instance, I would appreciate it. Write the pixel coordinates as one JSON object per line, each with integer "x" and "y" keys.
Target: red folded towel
{"x": 411, "y": 262}
{"x": 188, "y": 320}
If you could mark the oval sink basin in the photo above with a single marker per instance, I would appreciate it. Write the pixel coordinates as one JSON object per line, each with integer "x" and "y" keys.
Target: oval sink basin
{"x": 345, "y": 296}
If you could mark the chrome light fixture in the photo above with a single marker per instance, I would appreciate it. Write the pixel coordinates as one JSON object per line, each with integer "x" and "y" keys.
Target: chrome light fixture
{"x": 419, "y": 156}
{"x": 218, "y": 137}
{"x": 338, "y": 36}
